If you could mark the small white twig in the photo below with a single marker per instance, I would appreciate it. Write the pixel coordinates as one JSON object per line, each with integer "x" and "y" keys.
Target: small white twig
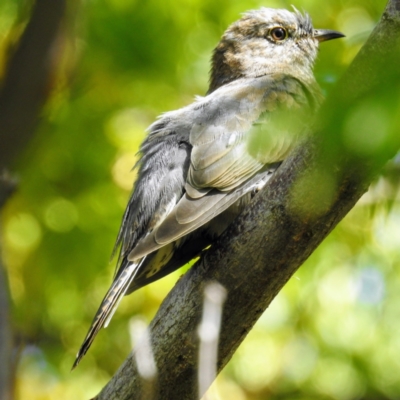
{"x": 209, "y": 330}
{"x": 143, "y": 353}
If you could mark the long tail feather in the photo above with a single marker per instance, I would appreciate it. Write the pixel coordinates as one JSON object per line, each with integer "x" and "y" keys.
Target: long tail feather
{"x": 108, "y": 306}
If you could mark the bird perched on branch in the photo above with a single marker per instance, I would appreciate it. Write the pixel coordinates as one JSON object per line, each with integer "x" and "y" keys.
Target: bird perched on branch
{"x": 201, "y": 164}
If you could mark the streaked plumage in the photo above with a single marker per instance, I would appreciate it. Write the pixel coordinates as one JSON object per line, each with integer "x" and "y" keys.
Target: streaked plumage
{"x": 201, "y": 164}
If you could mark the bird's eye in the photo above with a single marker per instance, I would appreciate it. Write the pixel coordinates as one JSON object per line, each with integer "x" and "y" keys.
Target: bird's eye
{"x": 279, "y": 34}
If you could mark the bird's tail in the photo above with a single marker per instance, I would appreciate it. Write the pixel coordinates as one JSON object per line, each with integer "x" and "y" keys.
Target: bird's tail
{"x": 108, "y": 306}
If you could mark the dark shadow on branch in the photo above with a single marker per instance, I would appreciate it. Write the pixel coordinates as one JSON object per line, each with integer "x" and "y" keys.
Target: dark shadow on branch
{"x": 278, "y": 231}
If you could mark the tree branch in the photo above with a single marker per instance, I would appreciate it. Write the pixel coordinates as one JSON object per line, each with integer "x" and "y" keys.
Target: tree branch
{"x": 278, "y": 231}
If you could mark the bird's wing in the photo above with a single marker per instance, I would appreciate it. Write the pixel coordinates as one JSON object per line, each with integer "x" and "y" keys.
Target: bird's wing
{"x": 228, "y": 128}
{"x": 162, "y": 171}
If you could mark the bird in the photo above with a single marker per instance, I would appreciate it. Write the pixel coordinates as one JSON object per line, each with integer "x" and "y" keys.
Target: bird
{"x": 200, "y": 165}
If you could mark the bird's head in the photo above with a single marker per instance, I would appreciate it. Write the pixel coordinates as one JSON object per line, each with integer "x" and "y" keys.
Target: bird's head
{"x": 267, "y": 41}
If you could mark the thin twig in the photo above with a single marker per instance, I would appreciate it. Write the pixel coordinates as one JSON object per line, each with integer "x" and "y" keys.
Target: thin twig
{"x": 209, "y": 330}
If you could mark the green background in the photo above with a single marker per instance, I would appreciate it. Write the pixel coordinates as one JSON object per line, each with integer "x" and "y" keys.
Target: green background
{"x": 332, "y": 333}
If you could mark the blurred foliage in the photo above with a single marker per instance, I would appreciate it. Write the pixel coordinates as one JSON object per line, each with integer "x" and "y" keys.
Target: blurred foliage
{"x": 332, "y": 333}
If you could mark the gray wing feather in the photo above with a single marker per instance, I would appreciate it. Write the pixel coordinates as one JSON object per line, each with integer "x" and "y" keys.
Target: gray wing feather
{"x": 190, "y": 214}
{"x": 221, "y": 164}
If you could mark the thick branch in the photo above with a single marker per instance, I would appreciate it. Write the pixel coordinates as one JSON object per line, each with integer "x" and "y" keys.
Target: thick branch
{"x": 26, "y": 84}
{"x": 275, "y": 234}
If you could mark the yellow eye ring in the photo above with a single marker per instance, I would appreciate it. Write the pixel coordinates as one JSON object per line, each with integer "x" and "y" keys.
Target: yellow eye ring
{"x": 279, "y": 34}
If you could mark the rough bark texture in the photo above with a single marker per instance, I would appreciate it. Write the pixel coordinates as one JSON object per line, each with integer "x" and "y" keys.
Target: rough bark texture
{"x": 271, "y": 239}
{"x": 22, "y": 96}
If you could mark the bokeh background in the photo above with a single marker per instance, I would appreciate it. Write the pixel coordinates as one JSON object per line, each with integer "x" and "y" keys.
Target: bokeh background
{"x": 332, "y": 333}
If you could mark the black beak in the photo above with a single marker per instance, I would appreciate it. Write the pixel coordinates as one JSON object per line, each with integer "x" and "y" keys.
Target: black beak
{"x": 326, "y": 34}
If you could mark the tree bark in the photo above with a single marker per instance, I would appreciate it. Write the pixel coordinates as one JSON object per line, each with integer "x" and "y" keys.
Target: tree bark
{"x": 278, "y": 231}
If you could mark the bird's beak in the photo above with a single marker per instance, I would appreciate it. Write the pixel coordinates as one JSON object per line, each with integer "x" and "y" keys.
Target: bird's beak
{"x": 326, "y": 34}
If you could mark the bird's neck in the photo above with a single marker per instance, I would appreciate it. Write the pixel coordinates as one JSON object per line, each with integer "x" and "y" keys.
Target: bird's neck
{"x": 225, "y": 67}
